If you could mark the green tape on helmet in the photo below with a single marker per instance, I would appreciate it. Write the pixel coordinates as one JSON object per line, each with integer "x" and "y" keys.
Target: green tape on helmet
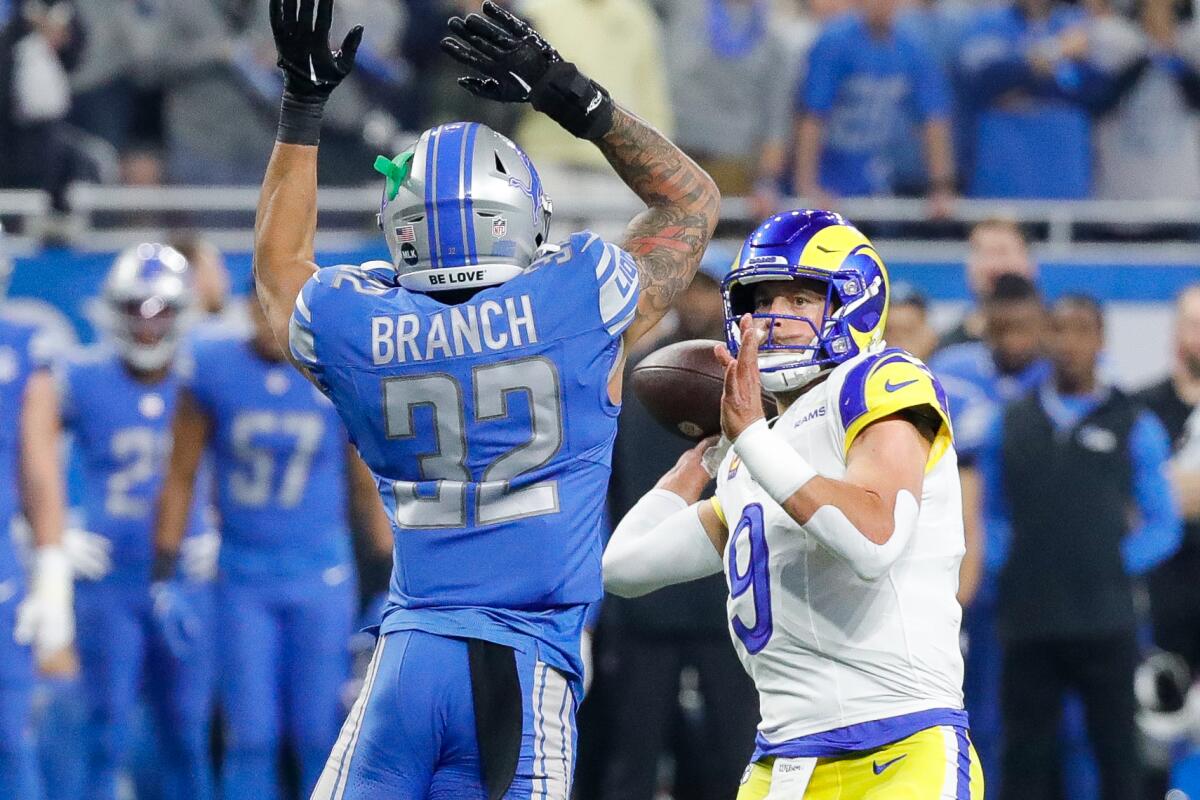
{"x": 396, "y": 170}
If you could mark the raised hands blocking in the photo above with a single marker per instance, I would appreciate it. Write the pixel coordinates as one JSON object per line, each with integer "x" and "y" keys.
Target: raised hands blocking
{"x": 311, "y": 70}
{"x": 519, "y": 66}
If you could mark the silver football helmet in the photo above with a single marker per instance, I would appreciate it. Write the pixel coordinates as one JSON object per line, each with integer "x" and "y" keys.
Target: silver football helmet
{"x": 463, "y": 208}
{"x": 147, "y": 304}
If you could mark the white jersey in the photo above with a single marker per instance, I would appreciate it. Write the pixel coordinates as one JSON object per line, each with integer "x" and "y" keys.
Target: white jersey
{"x": 827, "y": 649}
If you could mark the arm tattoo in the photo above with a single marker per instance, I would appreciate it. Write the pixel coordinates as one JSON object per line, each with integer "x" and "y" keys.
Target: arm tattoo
{"x": 667, "y": 239}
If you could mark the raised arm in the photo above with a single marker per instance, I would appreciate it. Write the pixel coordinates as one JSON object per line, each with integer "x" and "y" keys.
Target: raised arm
{"x": 286, "y": 221}
{"x": 669, "y": 237}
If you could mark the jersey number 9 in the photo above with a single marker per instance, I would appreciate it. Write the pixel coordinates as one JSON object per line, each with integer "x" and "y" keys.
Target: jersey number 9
{"x": 755, "y": 580}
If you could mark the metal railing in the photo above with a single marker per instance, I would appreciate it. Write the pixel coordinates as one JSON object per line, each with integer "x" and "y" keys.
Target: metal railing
{"x": 108, "y": 217}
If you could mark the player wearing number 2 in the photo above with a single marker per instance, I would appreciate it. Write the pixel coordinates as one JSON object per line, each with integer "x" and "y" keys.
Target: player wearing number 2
{"x": 117, "y": 401}
{"x": 839, "y": 526}
{"x": 479, "y": 375}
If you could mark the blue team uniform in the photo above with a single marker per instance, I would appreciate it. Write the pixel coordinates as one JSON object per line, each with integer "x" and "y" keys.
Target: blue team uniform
{"x": 286, "y": 590}
{"x": 489, "y": 430}
{"x": 20, "y": 357}
{"x": 122, "y": 430}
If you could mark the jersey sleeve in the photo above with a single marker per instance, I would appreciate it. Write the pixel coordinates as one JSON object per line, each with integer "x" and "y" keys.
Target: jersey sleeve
{"x": 617, "y": 282}
{"x": 885, "y": 384}
{"x": 301, "y": 340}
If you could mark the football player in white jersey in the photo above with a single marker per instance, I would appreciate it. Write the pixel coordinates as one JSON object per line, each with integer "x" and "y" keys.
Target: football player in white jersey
{"x": 838, "y": 524}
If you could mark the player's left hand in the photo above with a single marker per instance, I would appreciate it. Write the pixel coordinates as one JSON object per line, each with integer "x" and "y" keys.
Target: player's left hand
{"x": 176, "y": 619}
{"x": 741, "y": 401}
{"x": 519, "y": 66}
{"x": 311, "y": 70}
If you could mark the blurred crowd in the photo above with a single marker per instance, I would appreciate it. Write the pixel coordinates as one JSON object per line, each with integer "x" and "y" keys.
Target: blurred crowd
{"x": 821, "y": 98}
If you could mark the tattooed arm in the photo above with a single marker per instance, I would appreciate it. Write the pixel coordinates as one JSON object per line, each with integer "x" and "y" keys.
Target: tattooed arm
{"x": 668, "y": 239}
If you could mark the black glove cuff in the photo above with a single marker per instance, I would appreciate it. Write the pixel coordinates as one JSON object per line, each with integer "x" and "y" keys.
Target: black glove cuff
{"x": 300, "y": 119}
{"x": 568, "y": 97}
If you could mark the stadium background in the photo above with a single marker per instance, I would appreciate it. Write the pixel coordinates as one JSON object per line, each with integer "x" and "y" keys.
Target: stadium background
{"x": 102, "y": 153}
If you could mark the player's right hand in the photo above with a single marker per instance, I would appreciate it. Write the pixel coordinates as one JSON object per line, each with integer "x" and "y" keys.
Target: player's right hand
{"x": 46, "y": 617}
{"x": 311, "y": 70}
{"x": 689, "y": 477}
{"x": 90, "y": 553}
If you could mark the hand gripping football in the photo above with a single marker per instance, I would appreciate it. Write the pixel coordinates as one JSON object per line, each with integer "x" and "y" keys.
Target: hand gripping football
{"x": 680, "y": 385}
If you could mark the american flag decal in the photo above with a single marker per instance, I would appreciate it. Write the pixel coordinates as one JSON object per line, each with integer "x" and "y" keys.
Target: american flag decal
{"x": 406, "y": 233}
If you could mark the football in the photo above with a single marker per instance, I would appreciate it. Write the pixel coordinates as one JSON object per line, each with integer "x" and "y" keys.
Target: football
{"x": 680, "y": 385}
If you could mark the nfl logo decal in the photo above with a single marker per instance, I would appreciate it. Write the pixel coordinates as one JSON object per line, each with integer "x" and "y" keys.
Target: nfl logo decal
{"x": 499, "y": 227}
{"x": 405, "y": 233}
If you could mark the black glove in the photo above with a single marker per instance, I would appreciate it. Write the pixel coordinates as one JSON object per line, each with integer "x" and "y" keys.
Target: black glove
{"x": 310, "y": 69}
{"x": 522, "y": 67}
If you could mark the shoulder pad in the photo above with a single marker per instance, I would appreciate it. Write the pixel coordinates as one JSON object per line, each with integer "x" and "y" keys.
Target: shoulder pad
{"x": 887, "y": 382}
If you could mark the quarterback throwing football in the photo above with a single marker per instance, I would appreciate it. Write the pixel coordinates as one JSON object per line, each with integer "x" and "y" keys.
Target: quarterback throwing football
{"x": 839, "y": 527}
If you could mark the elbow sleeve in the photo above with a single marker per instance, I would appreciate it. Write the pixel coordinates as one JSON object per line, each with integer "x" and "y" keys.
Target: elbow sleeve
{"x": 869, "y": 561}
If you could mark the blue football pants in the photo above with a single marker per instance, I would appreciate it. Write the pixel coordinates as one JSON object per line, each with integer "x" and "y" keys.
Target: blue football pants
{"x": 123, "y": 658}
{"x": 18, "y": 752}
{"x": 284, "y": 659}
{"x": 411, "y": 733}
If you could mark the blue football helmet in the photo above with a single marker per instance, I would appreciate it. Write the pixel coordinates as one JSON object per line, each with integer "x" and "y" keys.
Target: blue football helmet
{"x": 817, "y": 245}
{"x": 462, "y": 208}
{"x": 147, "y": 304}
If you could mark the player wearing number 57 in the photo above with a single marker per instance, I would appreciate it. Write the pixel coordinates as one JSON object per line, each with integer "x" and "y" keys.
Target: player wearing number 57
{"x": 838, "y": 524}
{"x": 478, "y": 371}
{"x": 286, "y": 480}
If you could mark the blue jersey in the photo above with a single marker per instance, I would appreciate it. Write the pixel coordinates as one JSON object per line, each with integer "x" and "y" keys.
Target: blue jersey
{"x": 489, "y": 429}
{"x": 870, "y": 92}
{"x": 279, "y": 462}
{"x": 122, "y": 434}
{"x": 21, "y": 354}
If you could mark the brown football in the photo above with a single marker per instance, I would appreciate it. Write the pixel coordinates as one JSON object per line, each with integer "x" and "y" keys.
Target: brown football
{"x": 680, "y": 385}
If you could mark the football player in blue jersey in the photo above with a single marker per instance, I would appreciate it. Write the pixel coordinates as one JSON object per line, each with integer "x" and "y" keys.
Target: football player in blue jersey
{"x": 117, "y": 401}
{"x": 36, "y": 615}
{"x": 479, "y": 374}
{"x": 286, "y": 589}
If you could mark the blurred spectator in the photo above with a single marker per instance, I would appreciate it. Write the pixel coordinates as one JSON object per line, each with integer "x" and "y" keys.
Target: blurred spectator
{"x": 1174, "y": 588}
{"x": 996, "y": 247}
{"x": 102, "y": 85}
{"x": 1027, "y": 85}
{"x": 436, "y": 97}
{"x": 1157, "y": 77}
{"x": 618, "y": 44}
{"x": 645, "y": 644}
{"x": 1062, "y": 469}
{"x": 871, "y": 84}
{"x": 908, "y": 322}
{"x": 39, "y": 44}
{"x": 217, "y": 62}
{"x": 731, "y": 85}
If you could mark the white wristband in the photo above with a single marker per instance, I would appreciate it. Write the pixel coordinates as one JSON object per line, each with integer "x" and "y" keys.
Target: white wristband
{"x": 774, "y": 463}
